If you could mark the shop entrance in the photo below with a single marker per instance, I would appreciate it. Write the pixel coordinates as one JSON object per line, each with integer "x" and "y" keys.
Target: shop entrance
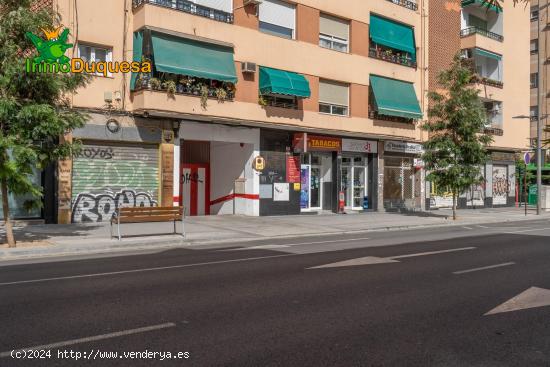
{"x": 354, "y": 181}
{"x": 195, "y": 177}
{"x": 314, "y": 169}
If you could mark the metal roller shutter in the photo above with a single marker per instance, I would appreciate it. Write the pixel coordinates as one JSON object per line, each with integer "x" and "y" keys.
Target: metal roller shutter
{"x": 107, "y": 175}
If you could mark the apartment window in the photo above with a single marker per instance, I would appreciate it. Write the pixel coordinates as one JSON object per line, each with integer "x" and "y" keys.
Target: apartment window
{"x": 277, "y": 18}
{"x": 334, "y": 33}
{"x": 90, "y": 53}
{"x": 333, "y": 98}
{"x": 534, "y": 13}
{"x": 534, "y": 46}
{"x": 533, "y": 112}
{"x": 534, "y": 80}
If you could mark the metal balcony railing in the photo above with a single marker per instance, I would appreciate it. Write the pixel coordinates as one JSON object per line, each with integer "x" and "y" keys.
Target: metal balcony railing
{"x": 391, "y": 56}
{"x": 189, "y": 7}
{"x": 405, "y": 3}
{"x": 374, "y": 115}
{"x": 493, "y": 130}
{"x": 483, "y": 32}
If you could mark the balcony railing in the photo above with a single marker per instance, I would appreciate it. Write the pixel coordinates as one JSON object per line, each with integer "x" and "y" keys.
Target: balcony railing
{"x": 493, "y": 130}
{"x": 189, "y": 7}
{"x": 391, "y": 56}
{"x": 487, "y": 81}
{"x": 483, "y": 32}
{"x": 405, "y": 3}
{"x": 374, "y": 115}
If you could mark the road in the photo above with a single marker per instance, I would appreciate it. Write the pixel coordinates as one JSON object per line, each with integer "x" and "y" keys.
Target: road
{"x": 464, "y": 296}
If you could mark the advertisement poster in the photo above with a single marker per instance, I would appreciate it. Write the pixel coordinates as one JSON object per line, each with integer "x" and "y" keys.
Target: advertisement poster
{"x": 292, "y": 169}
{"x": 304, "y": 194}
{"x": 281, "y": 191}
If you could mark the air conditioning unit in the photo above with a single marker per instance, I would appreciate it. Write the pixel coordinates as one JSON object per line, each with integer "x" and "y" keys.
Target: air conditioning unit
{"x": 254, "y": 2}
{"x": 248, "y": 67}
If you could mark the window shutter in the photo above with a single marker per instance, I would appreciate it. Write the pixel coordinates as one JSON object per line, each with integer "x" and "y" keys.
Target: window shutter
{"x": 223, "y": 5}
{"x": 336, "y": 27}
{"x": 333, "y": 93}
{"x": 278, "y": 13}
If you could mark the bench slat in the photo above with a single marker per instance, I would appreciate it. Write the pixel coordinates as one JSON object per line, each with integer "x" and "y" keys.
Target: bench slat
{"x": 143, "y": 219}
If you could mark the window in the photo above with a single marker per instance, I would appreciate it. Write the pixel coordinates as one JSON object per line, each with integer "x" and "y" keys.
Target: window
{"x": 477, "y": 22}
{"x": 534, "y": 46}
{"x": 277, "y": 18}
{"x": 333, "y": 98}
{"x": 334, "y": 33}
{"x": 95, "y": 54}
{"x": 534, "y": 80}
{"x": 534, "y": 13}
{"x": 534, "y": 112}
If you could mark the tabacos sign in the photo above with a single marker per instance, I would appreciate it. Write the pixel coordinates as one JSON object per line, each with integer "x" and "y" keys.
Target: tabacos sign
{"x": 52, "y": 59}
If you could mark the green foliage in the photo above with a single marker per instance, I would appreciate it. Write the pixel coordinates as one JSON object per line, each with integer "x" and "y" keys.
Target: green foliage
{"x": 457, "y": 145}
{"x": 34, "y": 108}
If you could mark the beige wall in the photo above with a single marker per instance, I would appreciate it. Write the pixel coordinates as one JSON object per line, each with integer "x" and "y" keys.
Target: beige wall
{"x": 102, "y": 22}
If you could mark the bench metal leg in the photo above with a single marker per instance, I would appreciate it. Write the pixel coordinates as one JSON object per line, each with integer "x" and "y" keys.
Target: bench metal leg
{"x": 119, "y": 237}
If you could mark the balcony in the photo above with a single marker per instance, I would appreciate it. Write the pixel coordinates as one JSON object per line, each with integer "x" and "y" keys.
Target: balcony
{"x": 412, "y": 5}
{"x": 483, "y": 32}
{"x": 374, "y": 115}
{"x": 389, "y": 55}
{"x": 493, "y": 130}
{"x": 188, "y": 7}
{"x": 487, "y": 81}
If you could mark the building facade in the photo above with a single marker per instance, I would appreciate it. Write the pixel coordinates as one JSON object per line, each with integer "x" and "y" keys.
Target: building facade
{"x": 278, "y": 107}
{"x": 496, "y": 41}
{"x": 252, "y": 107}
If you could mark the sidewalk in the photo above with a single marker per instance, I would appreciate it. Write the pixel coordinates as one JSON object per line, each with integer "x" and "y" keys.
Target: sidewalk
{"x": 95, "y": 238}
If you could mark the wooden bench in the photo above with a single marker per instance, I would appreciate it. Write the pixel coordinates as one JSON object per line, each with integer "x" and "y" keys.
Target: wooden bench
{"x": 148, "y": 214}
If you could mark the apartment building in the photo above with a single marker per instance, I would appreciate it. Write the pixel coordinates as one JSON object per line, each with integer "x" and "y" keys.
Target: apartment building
{"x": 252, "y": 107}
{"x": 539, "y": 52}
{"x": 496, "y": 42}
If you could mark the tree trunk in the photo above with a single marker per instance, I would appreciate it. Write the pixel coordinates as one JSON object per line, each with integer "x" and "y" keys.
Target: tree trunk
{"x": 454, "y": 205}
{"x": 7, "y": 219}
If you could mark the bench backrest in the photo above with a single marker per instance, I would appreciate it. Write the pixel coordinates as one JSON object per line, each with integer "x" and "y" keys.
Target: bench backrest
{"x": 169, "y": 212}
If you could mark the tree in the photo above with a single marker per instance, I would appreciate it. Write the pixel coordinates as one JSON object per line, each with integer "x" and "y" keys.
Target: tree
{"x": 34, "y": 109}
{"x": 457, "y": 145}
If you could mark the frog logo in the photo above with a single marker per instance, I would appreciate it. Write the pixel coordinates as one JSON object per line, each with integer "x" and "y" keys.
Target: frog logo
{"x": 53, "y": 48}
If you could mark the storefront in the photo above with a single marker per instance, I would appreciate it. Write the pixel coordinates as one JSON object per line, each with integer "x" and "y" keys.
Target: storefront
{"x": 402, "y": 176}
{"x": 213, "y": 169}
{"x": 358, "y": 173}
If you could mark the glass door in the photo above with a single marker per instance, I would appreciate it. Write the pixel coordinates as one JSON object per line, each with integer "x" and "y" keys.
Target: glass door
{"x": 315, "y": 191}
{"x": 347, "y": 185}
{"x": 305, "y": 173}
{"x": 358, "y": 187}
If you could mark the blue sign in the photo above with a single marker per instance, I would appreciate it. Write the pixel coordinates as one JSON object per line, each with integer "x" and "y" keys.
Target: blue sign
{"x": 527, "y": 158}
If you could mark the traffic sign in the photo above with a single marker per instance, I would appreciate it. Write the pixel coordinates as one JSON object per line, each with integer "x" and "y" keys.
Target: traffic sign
{"x": 527, "y": 158}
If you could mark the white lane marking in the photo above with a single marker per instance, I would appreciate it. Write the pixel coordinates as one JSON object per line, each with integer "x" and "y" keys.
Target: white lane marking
{"x": 370, "y": 260}
{"x": 292, "y": 244}
{"x": 528, "y": 230}
{"x": 144, "y": 270}
{"x": 483, "y": 268}
{"x": 433, "y": 252}
{"x": 531, "y": 298}
{"x": 483, "y": 226}
{"x": 91, "y": 338}
{"x": 467, "y": 227}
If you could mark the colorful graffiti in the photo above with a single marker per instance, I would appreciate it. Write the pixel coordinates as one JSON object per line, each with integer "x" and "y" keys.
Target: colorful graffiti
{"x": 101, "y": 207}
{"x": 501, "y": 185}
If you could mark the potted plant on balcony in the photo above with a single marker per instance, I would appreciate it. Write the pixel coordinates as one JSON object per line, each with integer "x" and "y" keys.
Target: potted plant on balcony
{"x": 155, "y": 83}
{"x": 204, "y": 95}
{"x": 221, "y": 94}
{"x": 170, "y": 87}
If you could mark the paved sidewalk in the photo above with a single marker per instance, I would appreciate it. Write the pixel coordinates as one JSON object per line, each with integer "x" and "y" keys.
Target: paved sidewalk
{"x": 95, "y": 238}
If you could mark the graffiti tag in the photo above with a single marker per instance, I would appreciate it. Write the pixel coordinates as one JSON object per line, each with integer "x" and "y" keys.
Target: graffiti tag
{"x": 89, "y": 207}
{"x": 94, "y": 152}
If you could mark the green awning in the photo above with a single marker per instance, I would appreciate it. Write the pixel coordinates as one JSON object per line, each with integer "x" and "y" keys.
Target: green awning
{"x": 275, "y": 81}
{"x": 488, "y": 54}
{"x": 395, "y": 98}
{"x": 137, "y": 52}
{"x": 392, "y": 34}
{"x": 484, "y": 3}
{"x": 185, "y": 56}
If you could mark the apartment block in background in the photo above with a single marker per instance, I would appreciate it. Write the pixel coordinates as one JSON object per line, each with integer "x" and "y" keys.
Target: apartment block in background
{"x": 496, "y": 42}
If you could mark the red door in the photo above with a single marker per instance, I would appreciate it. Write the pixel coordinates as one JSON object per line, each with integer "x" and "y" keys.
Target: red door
{"x": 195, "y": 188}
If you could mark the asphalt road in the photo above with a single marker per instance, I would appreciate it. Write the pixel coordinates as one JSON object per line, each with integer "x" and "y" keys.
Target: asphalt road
{"x": 424, "y": 301}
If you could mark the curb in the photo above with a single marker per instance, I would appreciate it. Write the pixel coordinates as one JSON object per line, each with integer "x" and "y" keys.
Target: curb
{"x": 145, "y": 244}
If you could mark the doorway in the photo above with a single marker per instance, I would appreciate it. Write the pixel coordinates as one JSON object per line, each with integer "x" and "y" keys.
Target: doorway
{"x": 312, "y": 181}
{"x": 354, "y": 182}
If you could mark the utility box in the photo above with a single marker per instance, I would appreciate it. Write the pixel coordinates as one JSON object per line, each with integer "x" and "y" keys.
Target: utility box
{"x": 545, "y": 198}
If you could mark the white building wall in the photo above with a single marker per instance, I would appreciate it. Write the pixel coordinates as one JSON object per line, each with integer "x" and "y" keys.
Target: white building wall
{"x": 229, "y": 161}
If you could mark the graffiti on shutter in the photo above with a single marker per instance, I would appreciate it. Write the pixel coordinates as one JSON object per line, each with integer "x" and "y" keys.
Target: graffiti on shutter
{"x": 106, "y": 177}
{"x": 501, "y": 185}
